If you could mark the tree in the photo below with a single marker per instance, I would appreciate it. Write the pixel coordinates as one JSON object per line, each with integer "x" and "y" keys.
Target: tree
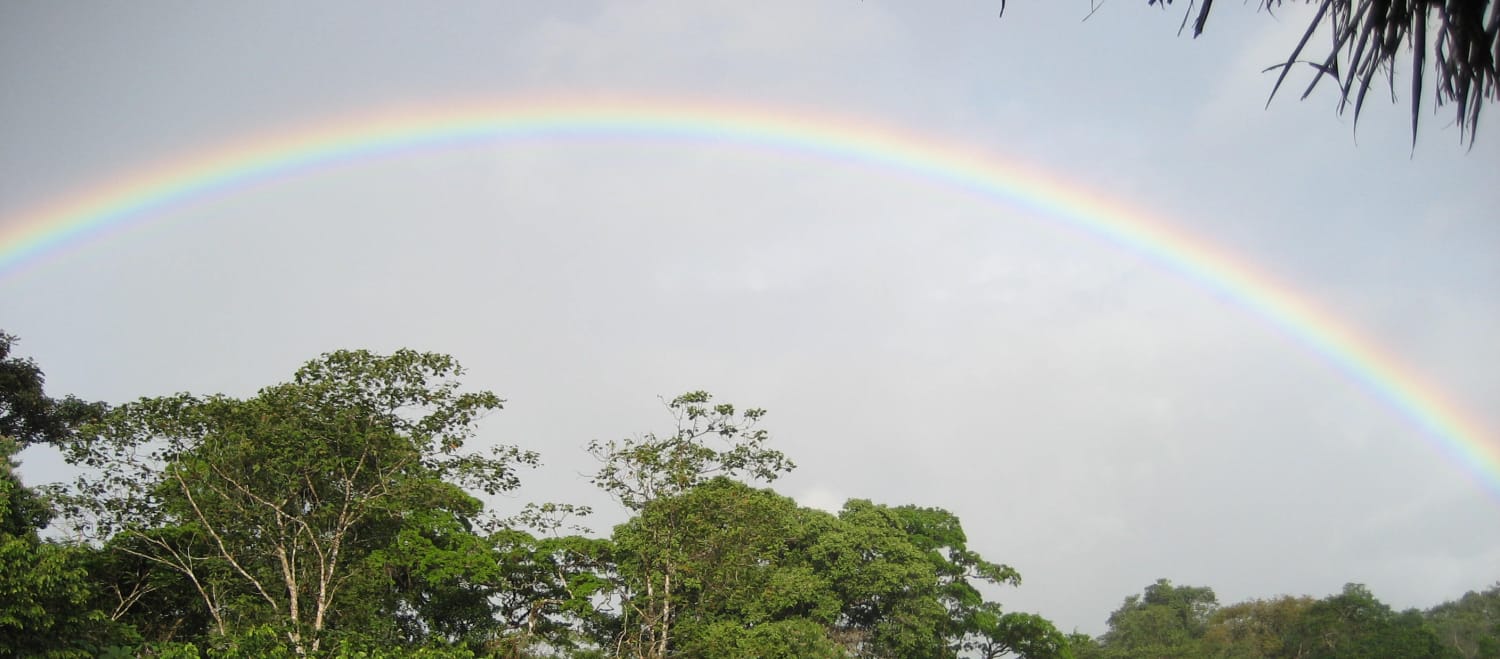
{"x": 45, "y": 596}
{"x": 1174, "y": 621}
{"x": 1165, "y": 621}
{"x": 1470, "y": 624}
{"x": 940, "y": 537}
{"x": 992, "y": 634}
{"x": 1354, "y": 624}
{"x": 1258, "y": 628}
{"x": 752, "y": 574}
{"x": 548, "y": 586}
{"x": 27, "y": 415}
{"x": 710, "y": 566}
{"x": 642, "y": 471}
{"x": 906, "y": 578}
{"x": 708, "y": 573}
{"x": 287, "y": 510}
{"x": 1462, "y": 38}
{"x": 782, "y": 639}
{"x": 1083, "y": 646}
{"x": 44, "y": 591}
{"x": 141, "y": 595}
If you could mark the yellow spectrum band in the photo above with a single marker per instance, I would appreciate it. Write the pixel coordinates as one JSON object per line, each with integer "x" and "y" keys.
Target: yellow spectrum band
{"x": 131, "y": 199}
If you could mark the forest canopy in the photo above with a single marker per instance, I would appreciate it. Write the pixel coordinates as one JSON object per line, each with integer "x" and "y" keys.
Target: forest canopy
{"x": 340, "y": 514}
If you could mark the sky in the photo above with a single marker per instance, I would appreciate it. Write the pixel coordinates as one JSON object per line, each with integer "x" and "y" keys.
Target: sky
{"x": 1097, "y": 419}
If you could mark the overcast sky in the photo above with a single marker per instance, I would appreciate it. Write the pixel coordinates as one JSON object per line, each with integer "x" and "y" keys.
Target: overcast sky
{"x": 1096, "y": 420}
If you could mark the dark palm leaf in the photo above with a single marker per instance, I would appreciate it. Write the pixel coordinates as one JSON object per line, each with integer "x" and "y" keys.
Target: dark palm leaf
{"x": 1368, "y": 36}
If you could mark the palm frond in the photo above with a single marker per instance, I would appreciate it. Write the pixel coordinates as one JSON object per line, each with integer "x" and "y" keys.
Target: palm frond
{"x": 1368, "y": 36}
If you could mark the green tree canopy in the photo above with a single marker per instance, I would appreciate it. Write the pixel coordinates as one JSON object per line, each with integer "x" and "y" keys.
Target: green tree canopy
{"x": 1354, "y": 624}
{"x": 1172, "y": 621}
{"x": 1164, "y": 621}
{"x": 1470, "y": 624}
{"x": 305, "y": 508}
{"x": 1258, "y": 628}
{"x": 27, "y": 414}
{"x": 45, "y": 596}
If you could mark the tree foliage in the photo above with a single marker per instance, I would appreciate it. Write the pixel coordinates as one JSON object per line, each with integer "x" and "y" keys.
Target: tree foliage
{"x": 45, "y": 596}
{"x": 706, "y": 571}
{"x": 991, "y": 633}
{"x": 334, "y": 515}
{"x": 1458, "y": 39}
{"x": 641, "y": 469}
{"x": 273, "y": 508}
{"x": 27, "y": 414}
{"x": 44, "y": 590}
{"x": 1470, "y": 624}
{"x": 338, "y": 515}
{"x": 710, "y": 566}
{"x": 1259, "y": 628}
{"x": 1170, "y": 621}
{"x": 1164, "y": 621}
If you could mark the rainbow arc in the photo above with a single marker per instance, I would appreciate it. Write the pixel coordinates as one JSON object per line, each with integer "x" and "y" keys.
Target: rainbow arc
{"x": 135, "y": 198}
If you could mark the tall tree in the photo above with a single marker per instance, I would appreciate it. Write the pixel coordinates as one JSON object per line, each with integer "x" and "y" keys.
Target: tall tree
{"x": 906, "y": 579}
{"x": 710, "y": 440}
{"x": 723, "y": 548}
{"x": 940, "y": 536}
{"x": 27, "y": 414}
{"x": 45, "y": 597}
{"x": 276, "y": 510}
{"x": 710, "y": 566}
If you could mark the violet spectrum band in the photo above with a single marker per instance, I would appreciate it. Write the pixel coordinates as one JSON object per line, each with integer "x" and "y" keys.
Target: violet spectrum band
{"x": 131, "y": 200}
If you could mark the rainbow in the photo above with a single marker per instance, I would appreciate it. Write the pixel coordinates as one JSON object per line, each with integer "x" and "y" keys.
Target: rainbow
{"x": 132, "y": 199}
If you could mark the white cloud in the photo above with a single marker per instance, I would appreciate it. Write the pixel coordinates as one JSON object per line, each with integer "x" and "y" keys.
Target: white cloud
{"x": 821, "y": 498}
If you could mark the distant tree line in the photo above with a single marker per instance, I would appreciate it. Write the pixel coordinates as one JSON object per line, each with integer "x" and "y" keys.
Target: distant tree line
{"x": 1186, "y": 621}
{"x": 336, "y": 515}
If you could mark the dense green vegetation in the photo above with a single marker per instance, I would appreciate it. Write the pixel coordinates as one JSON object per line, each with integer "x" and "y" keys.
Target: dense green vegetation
{"x": 1183, "y": 621}
{"x": 336, "y": 515}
